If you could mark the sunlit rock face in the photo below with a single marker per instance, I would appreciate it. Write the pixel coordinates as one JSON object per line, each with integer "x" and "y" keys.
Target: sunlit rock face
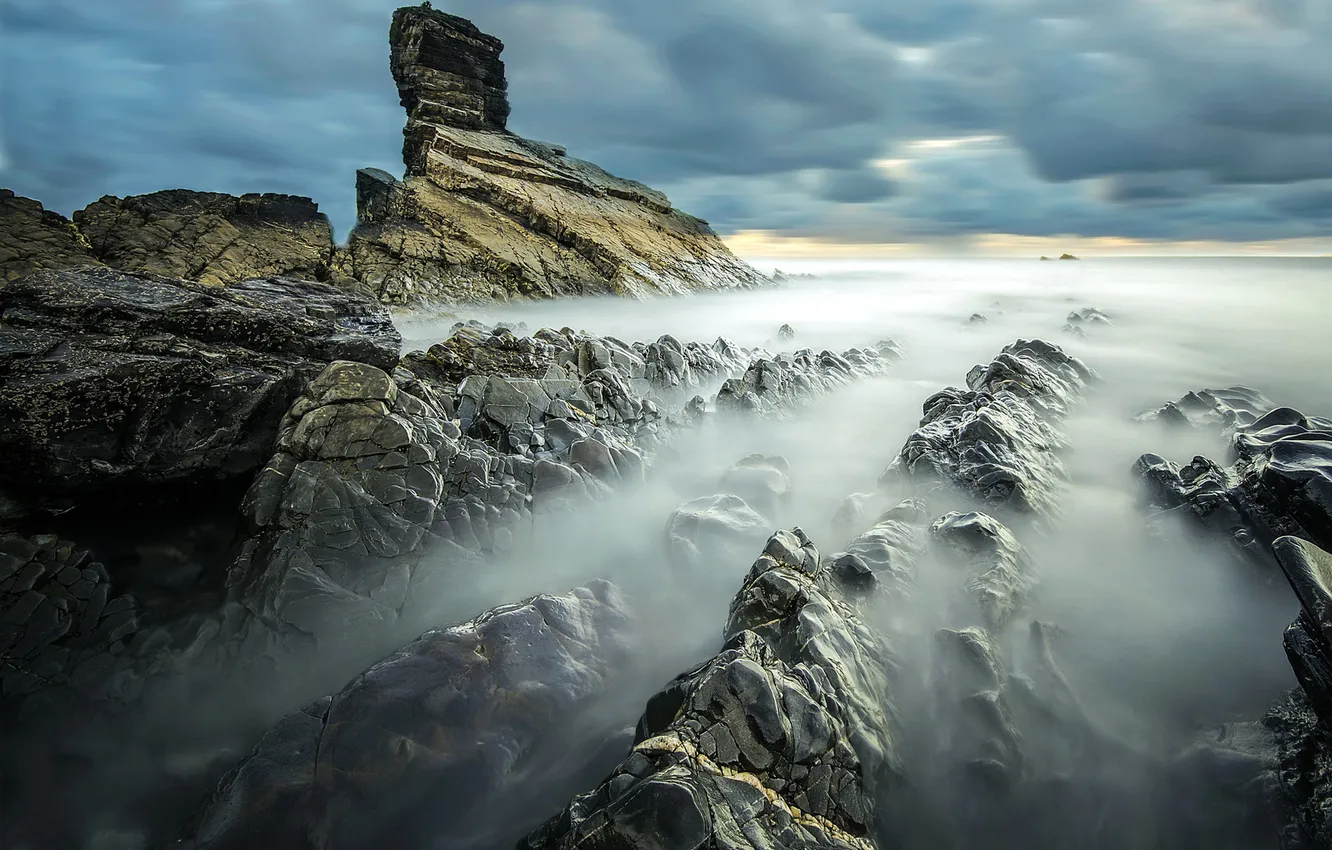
{"x": 483, "y": 214}
{"x": 33, "y": 238}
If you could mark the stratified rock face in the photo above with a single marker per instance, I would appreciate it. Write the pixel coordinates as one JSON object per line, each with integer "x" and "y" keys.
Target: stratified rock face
{"x": 210, "y": 237}
{"x": 448, "y": 71}
{"x": 433, "y": 742}
{"x": 781, "y": 740}
{"x": 32, "y": 238}
{"x": 996, "y": 439}
{"x": 484, "y": 214}
{"x": 1279, "y": 484}
{"x": 114, "y": 379}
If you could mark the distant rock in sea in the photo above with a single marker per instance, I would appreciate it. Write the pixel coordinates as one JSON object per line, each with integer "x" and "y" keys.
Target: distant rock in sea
{"x": 1067, "y": 257}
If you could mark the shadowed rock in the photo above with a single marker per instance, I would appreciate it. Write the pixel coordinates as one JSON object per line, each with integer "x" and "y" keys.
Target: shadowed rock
{"x": 134, "y": 381}
{"x": 1309, "y": 639}
{"x": 1280, "y": 483}
{"x": 436, "y": 744}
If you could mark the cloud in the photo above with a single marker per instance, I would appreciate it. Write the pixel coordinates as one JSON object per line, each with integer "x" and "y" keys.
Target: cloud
{"x": 1188, "y": 120}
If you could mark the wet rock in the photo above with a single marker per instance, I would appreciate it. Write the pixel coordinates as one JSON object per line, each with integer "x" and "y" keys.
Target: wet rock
{"x": 1220, "y": 409}
{"x": 63, "y": 628}
{"x": 1309, "y": 639}
{"x": 772, "y": 384}
{"x": 996, "y": 440}
{"x": 483, "y": 214}
{"x": 33, "y": 238}
{"x": 713, "y": 531}
{"x": 1088, "y": 316}
{"x": 888, "y": 551}
{"x": 1304, "y": 771}
{"x": 437, "y": 743}
{"x": 786, "y": 332}
{"x": 999, "y": 574}
{"x": 785, "y": 738}
{"x": 209, "y": 236}
{"x": 763, "y": 482}
{"x": 114, "y": 379}
{"x": 978, "y": 319}
{"x": 1280, "y": 483}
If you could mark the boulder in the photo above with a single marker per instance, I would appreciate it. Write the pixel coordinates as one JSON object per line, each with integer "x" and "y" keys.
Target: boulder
{"x": 763, "y": 482}
{"x": 209, "y": 236}
{"x": 483, "y": 214}
{"x": 441, "y": 744}
{"x": 33, "y": 238}
{"x": 999, "y": 574}
{"x": 109, "y": 379}
{"x": 710, "y": 532}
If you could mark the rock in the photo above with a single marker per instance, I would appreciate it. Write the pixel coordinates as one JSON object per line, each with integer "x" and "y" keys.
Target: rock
{"x": 1309, "y": 639}
{"x": 711, "y": 532}
{"x": 996, "y": 439}
{"x": 483, "y": 214}
{"x": 763, "y": 482}
{"x": 62, "y": 628}
{"x": 33, "y": 238}
{"x": 209, "y": 236}
{"x": 1279, "y": 484}
{"x": 1304, "y": 771}
{"x": 1220, "y": 409}
{"x": 888, "y": 551}
{"x": 977, "y": 319}
{"x": 786, "y": 332}
{"x": 782, "y": 739}
{"x": 135, "y": 381}
{"x": 441, "y": 741}
{"x": 1067, "y": 257}
{"x": 773, "y": 384}
{"x": 999, "y": 574}
{"x": 1089, "y": 316}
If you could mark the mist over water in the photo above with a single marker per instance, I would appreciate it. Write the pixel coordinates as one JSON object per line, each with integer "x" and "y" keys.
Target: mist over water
{"x": 1164, "y": 633}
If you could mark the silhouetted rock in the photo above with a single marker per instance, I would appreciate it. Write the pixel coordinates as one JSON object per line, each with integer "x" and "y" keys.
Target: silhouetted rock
{"x": 110, "y": 379}
{"x": 33, "y": 238}
{"x": 209, "y": 236}
{"x": 1067, "y": 257}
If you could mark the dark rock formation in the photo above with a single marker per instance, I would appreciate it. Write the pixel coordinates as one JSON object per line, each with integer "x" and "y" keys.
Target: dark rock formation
{"x": 439, "y": 743}
{"x": 786, "y": 332}
{"x": 1224, "y": 409}
{"x": 209, "y": 236}
{"x": 1304, "y": 772}
{"x": 62, "y": 626}
{"x": 111, "y": 379}
{"x": 1280, "y": 483}
{"x": 978, "y": 319}
{"x": 1067, "y": 257}
{"x": 1309, "y": 639}
{"x": 783, "y": 739}
{"x": 1089, "y": 316}
{"x": 771, "y": 384}
{"x": 483, "y": 214}
{"x": 995, "y": 440}
{"x": 32, "y": 238}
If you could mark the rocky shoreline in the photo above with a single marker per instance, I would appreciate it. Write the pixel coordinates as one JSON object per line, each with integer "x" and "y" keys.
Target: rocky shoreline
{"x": 230, "y": 506}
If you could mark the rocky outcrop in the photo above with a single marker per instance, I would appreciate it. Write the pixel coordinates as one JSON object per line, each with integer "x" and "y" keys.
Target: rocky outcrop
{"x": 33, "y": 238}
{"x": 483, "y": 214}
{"x": 437, "y": 744}
{"x": 132, "y": 381}
{"x": 785, "y": 738}
{"x": 1280, "y": 483}
{"x": 999, "y": 574}
{"x": 1221, "y": 409}
{"x": 712, "y": 531}
{"x": 995, "y": 440}
{"x": 209, "y": 236}
{"x": 772, "y": 384}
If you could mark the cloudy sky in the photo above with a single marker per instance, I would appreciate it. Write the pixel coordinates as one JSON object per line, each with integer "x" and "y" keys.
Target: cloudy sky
{"x": 791, "y": 125}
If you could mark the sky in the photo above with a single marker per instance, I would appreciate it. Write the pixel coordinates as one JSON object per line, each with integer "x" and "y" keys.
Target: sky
{"x": 795, "y": 127}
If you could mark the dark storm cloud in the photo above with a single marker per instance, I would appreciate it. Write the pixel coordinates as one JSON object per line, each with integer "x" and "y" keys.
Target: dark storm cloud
{"x": 1194, "y": 119}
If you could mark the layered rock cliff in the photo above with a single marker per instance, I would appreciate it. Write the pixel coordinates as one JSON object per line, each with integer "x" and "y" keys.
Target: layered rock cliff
{"x": 481, "y": 214}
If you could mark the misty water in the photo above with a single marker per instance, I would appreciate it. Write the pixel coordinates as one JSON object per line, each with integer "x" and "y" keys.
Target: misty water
{"x": 1167, "y": 635}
